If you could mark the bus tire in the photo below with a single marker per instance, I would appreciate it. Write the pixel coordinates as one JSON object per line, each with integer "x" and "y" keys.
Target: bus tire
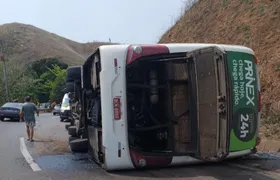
{"x": 79, "y": 145}
{"x": 78, "y": 127}
{"x": 73, "y": 73}
{"x": 70, "y": 87}
{"x": 71, "y": 138}
{"x": 67, "y": 126}
{"x": 72, "y": 131}
{"x": 72, "y": 123}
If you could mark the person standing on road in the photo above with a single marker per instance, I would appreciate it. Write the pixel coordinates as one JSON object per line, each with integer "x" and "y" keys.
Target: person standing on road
{"x": 28, "y": 114}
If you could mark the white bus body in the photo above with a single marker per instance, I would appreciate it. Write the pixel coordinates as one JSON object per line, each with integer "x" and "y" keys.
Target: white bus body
{"x": 111, "y": 139}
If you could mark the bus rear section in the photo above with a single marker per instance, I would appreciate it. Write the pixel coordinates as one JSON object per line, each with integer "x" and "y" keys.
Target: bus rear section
{"x": 171, "y": 104}
{"x": 177, "y": 104}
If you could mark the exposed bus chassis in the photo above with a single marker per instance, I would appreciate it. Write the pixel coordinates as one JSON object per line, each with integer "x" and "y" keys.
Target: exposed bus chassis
{"x": 158, "y": 105}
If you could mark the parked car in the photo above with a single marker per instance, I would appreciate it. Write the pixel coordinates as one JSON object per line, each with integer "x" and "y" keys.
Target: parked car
{"x": 10, "y": 110}
{"x": 56, "y": 109}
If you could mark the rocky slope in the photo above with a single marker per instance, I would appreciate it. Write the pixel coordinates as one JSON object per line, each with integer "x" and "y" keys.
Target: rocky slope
{"x": 252, "y": 23}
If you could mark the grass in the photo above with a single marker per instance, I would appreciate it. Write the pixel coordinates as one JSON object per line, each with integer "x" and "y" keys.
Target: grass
{"x": 247, "y": 1}
{"x": 261, "y": 8}
{"x": 225, "y": 3}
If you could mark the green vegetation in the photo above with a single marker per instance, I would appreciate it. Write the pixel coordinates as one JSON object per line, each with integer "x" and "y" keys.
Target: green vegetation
{"x": 261, "y": 8}
{"x": 246, "y": 29}
{"x": 19, "y": 82}
{"x": 49, "y": 79}
{"x": 225, "y": 3}
{"x": 43, "y": 80}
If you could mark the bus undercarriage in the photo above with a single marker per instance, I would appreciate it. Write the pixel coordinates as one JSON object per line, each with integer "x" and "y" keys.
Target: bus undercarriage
{"x": 159, "y": 106}
{"x": 162, "y": 107}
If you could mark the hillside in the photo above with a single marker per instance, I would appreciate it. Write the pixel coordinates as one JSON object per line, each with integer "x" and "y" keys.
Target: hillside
{"x": 23, "y": 43}
{"x": 253, "y": 23}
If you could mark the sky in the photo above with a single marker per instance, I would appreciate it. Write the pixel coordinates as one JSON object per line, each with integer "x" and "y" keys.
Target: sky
{"x": 123, "y": 21}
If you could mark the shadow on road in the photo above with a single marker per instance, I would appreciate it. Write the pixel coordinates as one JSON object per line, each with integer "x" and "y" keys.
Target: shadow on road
{"x": 262, "y": 161}
{"x": 43, "y": 141}
{"x": 11, "y": 120}
{"x": 219, "y": 171}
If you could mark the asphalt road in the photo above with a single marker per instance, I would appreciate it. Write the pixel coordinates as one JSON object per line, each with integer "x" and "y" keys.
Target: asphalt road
{"x": 51, "y": 153}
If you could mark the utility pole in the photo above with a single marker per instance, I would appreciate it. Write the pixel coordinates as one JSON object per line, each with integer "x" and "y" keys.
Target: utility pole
{"x": 5, "y": 76}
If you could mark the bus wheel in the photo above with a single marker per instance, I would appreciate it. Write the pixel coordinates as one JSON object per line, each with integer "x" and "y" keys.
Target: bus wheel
{"x": 73, "y": 73}
{"x": 67, "y": 126}
{"x": 70, "y": 86}
{"x": 71, "y": 138}
{"x": 79, "y": 145}
{"x": 72, "y": 122}
{"x": 72, "y": 131}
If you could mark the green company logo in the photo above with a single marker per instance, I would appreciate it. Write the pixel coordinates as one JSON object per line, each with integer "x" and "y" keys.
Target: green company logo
{"x": 244, "y": 97}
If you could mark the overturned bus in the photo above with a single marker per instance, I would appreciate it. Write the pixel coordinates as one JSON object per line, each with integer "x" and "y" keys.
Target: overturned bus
{"x": 141, "y": 106}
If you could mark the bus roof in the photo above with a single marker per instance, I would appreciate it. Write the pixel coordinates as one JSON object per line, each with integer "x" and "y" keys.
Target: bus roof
{"x": 174, "y": 48}
{"x": 189, "y": 46}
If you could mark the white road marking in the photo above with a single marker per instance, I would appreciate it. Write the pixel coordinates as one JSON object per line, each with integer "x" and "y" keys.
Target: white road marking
{"x": 27, "y": 156}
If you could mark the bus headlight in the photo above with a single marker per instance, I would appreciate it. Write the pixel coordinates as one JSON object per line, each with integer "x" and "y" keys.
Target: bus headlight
{"x": 142, "y": 162}
{"x": 137, "y": 49}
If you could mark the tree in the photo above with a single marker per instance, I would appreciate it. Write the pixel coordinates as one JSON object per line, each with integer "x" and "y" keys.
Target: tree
{"x": 49, "y": 79}
{"x": 19, "y": 82}
{"x": 43, "y": 80}
{"x": 59, "y": 84}
{"x": 41, "y": 66}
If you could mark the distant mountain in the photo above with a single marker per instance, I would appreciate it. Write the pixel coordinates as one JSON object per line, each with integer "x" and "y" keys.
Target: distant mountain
{"x": 22, "y": 43}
